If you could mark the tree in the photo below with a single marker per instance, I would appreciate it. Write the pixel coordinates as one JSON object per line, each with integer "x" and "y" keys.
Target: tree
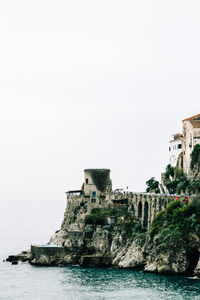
{"x": 152, "y": 185}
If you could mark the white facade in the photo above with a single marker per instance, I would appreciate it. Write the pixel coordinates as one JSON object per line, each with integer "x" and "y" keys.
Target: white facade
{"x": 175, "y": 148}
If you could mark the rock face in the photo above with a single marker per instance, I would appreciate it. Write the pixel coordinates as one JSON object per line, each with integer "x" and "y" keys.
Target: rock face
{"x": 117, "y": 243}
{"x": 109, "y": 234}
{"x": 24, "y": 256}
{"x": 129, "y": 255}
{"x": 112, "y": 245}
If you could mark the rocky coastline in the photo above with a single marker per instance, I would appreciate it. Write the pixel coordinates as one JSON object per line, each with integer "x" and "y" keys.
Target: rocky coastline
{"x": 157, "y": 231}
{"x": 121, "y": 244}
{"x": 101, "y": 228}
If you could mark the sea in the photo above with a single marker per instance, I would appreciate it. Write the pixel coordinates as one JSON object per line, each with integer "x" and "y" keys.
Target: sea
{"x": 23, "y": 223}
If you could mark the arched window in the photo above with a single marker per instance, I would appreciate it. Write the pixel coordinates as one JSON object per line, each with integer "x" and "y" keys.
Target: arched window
{"x": 146, "y": 210}
{"x": 140, "y": 210}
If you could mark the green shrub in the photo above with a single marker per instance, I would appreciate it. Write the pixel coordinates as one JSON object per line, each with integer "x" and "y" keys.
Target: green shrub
{"x": 97, "y": 215}
{"x": 195, "y": 156}
{"x": 169, "y": 171}
{"x": 194, "y": 186}
{"x": 157, "y": 223}
{"x": 96, "y": 210}
{"x": 182, "y": 184}
{"x": 175, "y": 180}
{"x": 130, "y": 227}
{"x": 95, "y": 219}
{"x": 175, "y": 223}
{"x": 178, "y": 172}
{"x": 172, "y": 206}
{"x": 152, "y": 185}
{"x": 171, "y": 186}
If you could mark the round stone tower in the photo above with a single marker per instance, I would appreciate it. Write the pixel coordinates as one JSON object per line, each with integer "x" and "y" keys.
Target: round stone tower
{"x": 97, "y": 182}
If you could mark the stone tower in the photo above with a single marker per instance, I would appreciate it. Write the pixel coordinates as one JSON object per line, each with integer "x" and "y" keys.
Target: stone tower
{"x": 97, "y": 183}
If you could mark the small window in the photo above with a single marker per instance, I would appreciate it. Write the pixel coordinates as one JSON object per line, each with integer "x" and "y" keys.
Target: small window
{"x": 93, "y": 194}
{"x": 86, "y": 180}
{"x": 93, "y": 200}
{"x": 179, "y": 146}
{"x": 169, "y": 148}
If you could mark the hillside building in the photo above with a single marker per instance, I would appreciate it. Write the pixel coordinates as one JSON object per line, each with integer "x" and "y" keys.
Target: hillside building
{"x": 191, "y": 137}
{"x": 175, "y": 148}
{"x": 184, "y": 143}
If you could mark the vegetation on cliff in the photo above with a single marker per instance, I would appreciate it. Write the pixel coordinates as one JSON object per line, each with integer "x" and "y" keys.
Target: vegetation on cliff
{"x": 177, "y": 220}
{"x": 176, "y": 181}
{"x": 174, "y": 238}
{"x": 123, "y": 222}
{"x": 98, "y": 216}
{"x": 195, "y": 157}
{"x": 152, "y": 185}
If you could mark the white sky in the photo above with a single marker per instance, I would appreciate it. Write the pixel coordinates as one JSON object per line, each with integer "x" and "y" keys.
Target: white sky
{"x": 93, "y": 84}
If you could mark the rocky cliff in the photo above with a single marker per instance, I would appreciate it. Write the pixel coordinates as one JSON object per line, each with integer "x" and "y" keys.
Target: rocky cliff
{"x": 107, "y": 230}
{"x": 101, "y": 237}
{"x": 112, "y": 238}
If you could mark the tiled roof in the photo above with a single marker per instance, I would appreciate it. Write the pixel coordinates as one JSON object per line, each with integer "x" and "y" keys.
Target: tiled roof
{"x": 193, "y": 117}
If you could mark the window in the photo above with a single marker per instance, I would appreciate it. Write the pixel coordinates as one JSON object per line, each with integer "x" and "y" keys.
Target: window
{"x": 169, "y": 148}
{"x": 93, "y": 194}
{"x": 86, "y": 180}
{"x": 190, "y": 144}
{"x": 179, "y": 146}
{"x": 93, "y": 200}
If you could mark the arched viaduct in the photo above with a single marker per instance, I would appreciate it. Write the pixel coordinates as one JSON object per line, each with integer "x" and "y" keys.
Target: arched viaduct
{"x": 145, "y": 206}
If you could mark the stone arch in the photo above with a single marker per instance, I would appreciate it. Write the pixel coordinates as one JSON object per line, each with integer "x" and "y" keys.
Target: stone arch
{"x": 140, "y": 210}
{"x": 146, "y": 214}
{"x": 193, "y": 258}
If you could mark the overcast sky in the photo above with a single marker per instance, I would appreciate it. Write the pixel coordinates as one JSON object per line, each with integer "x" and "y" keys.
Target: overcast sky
{"x": 93, "y": 84}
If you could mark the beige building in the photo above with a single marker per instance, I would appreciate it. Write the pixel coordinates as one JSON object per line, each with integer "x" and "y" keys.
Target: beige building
{"x": 182, "y": 144}
{"x": 191, "y": 137}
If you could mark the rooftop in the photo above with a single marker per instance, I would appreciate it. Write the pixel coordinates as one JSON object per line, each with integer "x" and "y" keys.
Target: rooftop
{"x": 192, "y": 118}
{"x": 176, "y": 137}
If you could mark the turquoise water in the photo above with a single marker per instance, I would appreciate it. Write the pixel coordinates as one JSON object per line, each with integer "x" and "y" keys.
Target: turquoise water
{"x": 23, "y": 223}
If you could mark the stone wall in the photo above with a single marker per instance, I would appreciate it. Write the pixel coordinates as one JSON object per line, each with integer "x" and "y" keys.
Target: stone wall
{"x": 143, "y": 206}
{"x": 37, "y": 251}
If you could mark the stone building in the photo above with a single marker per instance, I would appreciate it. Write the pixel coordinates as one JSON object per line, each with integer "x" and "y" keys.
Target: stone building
{"x": 97, "y": 184}
{"x": 97, "y": 191}
{"x": 182, "y": 145}
{"x": 191, "y": 137}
